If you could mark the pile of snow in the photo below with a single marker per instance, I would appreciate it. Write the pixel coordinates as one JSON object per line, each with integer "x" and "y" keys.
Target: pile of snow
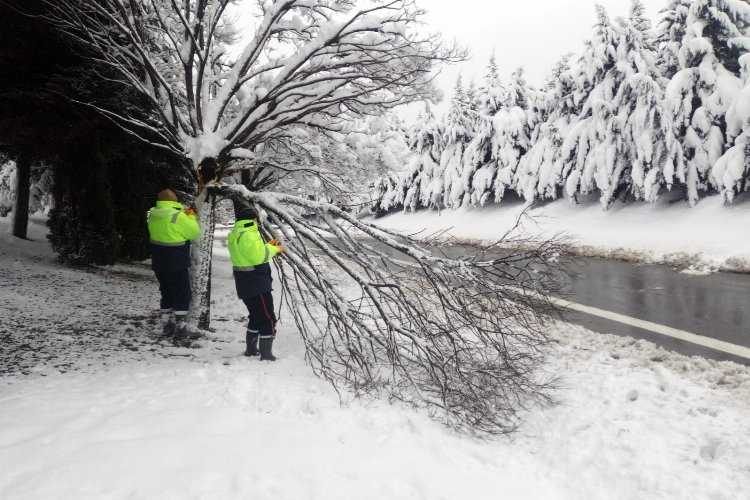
{"x": 709, "y": 235}
{"x": 634, "y": 421}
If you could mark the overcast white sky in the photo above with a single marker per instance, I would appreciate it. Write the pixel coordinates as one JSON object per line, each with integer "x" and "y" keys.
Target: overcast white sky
{"x": 529, "y": 33}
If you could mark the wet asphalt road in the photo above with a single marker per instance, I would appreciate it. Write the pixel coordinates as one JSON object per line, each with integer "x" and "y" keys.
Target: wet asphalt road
{"x": 713, "y": 305}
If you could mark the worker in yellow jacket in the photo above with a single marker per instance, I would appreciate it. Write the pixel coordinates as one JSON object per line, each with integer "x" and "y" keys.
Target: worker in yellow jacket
{"x": 250, "y": 256}
{"x": 171, "y": 228}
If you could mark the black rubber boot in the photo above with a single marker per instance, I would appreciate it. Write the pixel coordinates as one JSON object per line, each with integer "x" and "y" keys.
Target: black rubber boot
{"x": 184, "y": 335}
{"x": 193, "y": 333}
{"x": 251, "y": 339}
{"x": 180, "y": 338}
{"x": 168, "y": 328}
{"x": 185, "y": 330}
{"x": 265, "y": 349}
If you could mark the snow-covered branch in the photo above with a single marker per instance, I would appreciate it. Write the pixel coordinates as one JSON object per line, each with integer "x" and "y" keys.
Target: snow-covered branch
{"x": 306, "y": 62}
{"x": 460, "y": 336}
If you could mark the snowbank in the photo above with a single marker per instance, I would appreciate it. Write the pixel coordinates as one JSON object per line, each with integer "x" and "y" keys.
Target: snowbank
{"x": 709, "y": 235}
{"x": 634, "y": 421}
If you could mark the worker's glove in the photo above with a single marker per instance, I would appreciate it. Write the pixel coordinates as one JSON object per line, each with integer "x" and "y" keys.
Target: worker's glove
{"x": 190, "y": 211}
{"x": 278, "y": 245}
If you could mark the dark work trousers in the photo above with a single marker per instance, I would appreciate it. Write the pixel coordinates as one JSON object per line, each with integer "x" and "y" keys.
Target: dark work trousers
{"x": 175, "y": 289}
{"x": 262, "y": 319}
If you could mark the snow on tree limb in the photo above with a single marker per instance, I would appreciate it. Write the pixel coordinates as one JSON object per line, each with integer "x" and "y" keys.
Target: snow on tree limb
{"x": 460, "y": 336}
{"x": 307, "y": 62}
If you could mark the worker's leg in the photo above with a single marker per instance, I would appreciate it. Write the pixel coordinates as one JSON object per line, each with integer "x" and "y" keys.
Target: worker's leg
{"x": 262, "y": 322}
{"x": 253, "y": 330}
{"x": 166, "y": 313}
{"x": 267, "y": 327}
{"x": 179, "y": 284}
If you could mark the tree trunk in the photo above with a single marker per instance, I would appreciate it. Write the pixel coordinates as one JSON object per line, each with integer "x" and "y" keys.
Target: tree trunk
{"x": 202, "y": 256}
{"x": 21, "y": 205}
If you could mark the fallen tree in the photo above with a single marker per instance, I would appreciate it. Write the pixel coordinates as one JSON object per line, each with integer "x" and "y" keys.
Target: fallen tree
{"x": 381, "y": 313}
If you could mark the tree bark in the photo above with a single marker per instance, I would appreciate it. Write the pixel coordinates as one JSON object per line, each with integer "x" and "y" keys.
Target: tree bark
{"x": 202, "y": 256}
{"x": 21, "y": 205}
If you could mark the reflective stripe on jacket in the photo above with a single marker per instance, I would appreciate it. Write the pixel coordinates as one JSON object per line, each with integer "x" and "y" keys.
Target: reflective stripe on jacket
{"x": 169, "y": 225}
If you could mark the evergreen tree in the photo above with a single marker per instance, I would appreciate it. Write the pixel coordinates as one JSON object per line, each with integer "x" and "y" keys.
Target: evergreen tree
{"x": 700, "y": 93}
{"x": 459, "y": 129}
{"x": 646, "y": 154}
{"x": 623, "y": 145}
{"x": 643, "y": 110}
{"x": 582, "y": 155}
{"x": 540, "y": 170}
{"x": 480, "y": 162}
{"x": 670, "y": 34}
{"x": 513, "y": 128}
{"x": 492, "y": 93}
{"x": 425, "y": 177}
{"x": 385, "y": 194}
{"x": 731, "y": 174}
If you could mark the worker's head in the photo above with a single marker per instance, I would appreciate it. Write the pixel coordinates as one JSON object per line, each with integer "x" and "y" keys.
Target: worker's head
{"x": 166, "y": 195}
{"x": 244, "y": 212}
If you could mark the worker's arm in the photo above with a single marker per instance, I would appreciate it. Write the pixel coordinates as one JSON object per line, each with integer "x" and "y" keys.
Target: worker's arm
{"x": 188, "y": 226}
{"x": 274, "y": 250}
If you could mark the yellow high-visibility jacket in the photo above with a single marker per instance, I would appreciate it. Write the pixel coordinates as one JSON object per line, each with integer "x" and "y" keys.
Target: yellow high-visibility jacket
{"x": 246, "y": 246}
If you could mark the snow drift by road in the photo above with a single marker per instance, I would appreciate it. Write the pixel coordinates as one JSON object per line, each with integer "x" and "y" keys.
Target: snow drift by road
{"x": 710, "y": 235}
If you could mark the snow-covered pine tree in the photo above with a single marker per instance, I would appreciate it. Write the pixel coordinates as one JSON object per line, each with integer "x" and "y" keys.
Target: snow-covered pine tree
{"x": 540, "y": 169}
{"x": 472, "y": 97}
{"x": 646, "y": 153}
{"x": 404, "y": 189}
{"x": 426, "y": 142}
{"x": 583, "y": 155}
{"x": 384, "y": 193}
{"x": 731, "y": 174}
{"x": 480, "y": 161}
{"x": 460, "y": 126}
{"x": 700, "y": 93}
{"x": 410, "y": 180}
{"x": 379, "y": 148}
{"x": 513, "y": 128}
{"x": 539, "y": 108}
{"x": 670, "y": 34}
{"x": 624, "y": 141}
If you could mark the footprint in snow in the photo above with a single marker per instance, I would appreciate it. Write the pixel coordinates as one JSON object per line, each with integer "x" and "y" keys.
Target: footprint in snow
{"x": 710, "y": 451}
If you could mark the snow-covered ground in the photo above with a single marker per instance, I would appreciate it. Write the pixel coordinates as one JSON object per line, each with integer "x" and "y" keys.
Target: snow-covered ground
{"x": 709, "y": 235}
{"x": 106, "y": 411}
